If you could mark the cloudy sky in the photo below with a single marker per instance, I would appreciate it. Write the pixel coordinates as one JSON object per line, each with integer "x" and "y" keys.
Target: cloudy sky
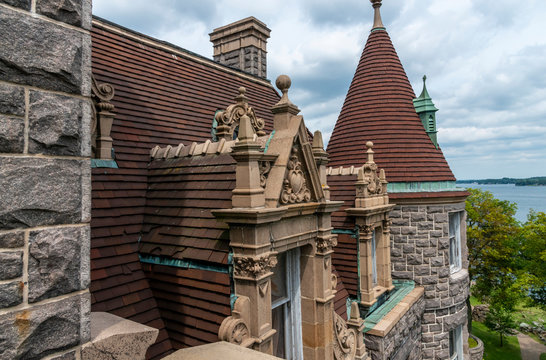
{"x": 485, "y": 61}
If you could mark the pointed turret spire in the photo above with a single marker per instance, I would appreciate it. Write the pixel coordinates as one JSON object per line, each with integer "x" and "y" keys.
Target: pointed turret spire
{"x": 377, "y": 22}
{"x": 427, "y": 112}
{"x": 379, "y": 108}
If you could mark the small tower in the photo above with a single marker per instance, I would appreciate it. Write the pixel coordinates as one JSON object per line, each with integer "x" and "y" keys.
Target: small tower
{"x": 427, "y": 112}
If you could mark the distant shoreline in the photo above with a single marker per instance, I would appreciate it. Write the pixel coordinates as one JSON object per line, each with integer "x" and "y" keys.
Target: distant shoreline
{"x": 532, "y": 181}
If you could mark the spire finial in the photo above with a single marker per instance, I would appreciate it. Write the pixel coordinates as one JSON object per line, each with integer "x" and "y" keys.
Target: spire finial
{"x": 424, "y": 79}
{"x": 377, "y": 22}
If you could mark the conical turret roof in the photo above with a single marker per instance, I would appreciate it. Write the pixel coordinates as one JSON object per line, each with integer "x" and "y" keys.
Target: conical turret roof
{"x": 379, "y": 108}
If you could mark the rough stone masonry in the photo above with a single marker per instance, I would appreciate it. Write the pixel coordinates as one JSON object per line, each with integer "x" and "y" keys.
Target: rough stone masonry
{"x": 45, "y": 113}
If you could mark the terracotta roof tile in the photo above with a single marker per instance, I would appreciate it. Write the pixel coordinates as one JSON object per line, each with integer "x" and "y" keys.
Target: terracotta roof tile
{"x": 379, "y": 108}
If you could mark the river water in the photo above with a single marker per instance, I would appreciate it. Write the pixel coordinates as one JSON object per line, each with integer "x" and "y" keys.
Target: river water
{"x": 526, "y": 197}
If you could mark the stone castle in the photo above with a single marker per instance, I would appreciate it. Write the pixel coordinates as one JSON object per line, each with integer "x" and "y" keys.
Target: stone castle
{"x": 156, "y": 203}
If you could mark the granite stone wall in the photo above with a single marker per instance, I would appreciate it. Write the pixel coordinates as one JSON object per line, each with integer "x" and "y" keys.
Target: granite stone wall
{"x": 403, "y": 342}
{"x": 45, "y": 177}
{"x": 420, "y": 252}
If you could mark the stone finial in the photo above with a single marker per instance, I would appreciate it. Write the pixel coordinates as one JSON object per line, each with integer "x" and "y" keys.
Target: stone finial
{"x": 370, "y": 152}
{"x": 103, "y": 118}
{"x": 284, "y": 109}
{"x": 377, "y": 22}
{"x": 321, "y": 159}
{"x": 318, "y": 143}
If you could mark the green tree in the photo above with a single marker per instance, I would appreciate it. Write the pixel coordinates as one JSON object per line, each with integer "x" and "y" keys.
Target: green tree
{"x": 500, "y": 320}
{"x": 492, "y": 239}
{"x": 532, "y": 257}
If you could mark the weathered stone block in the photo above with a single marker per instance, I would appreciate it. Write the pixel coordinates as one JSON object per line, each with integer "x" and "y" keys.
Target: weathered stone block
{"x": 414, "y": 259}
{"x": 11, "y": 294}
{"x": 58, "y": 59}
{"x": 12, "y": 239}
{"x": 42, "y": 191}
{"x": 11, "y": 265}
{"x": 58, "y": 262}
{"x": 417, "y": 217}
{"x": 12, "y": 138}
{"x": 437, "y": 261}
{"x": 57, "y": 124}
{"x": 435, "y": 209}
{"x": 44, "y": 329}
{"x": 71, "y": 355}
{"x": 23, "y": 4}
{"x": 408, "y": 230}
{"x": 67, "y": 11}
{"x": 12, "y": 100}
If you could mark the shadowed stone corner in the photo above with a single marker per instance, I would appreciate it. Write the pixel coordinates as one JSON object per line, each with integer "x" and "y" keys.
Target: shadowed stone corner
{"x": 113, "y": 337}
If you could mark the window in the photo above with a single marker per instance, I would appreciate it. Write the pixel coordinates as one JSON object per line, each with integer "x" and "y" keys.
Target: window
{"x": 455, "y": 241}
{"x": 286, "y": 306}
{"x": 456, "y": 343}
{"x": 374, "y": 259}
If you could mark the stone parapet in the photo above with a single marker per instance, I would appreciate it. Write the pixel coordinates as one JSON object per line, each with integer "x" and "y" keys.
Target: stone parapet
{"x": 398, "y": 334}
{"x": 113, "y": 337}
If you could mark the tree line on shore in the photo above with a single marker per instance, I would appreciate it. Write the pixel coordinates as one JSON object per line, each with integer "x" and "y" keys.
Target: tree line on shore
{"x": 532, "y": 181}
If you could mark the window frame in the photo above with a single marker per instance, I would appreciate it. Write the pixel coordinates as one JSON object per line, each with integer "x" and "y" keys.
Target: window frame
{"x": 456, "y": 343}
{"x": 455, "y": 242}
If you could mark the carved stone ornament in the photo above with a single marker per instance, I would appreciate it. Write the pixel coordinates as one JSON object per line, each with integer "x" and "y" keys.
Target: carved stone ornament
{"x": 101, "y": 123}
{"x": 230, "y": 118}
{"x": 254, "y": 267}
{"x": 333, "y": 281}
{"x": 295, "y": 186}
{"x": 387, "y": 226}
{"x": 366, "y": 230}
{"x": 265, "y": 167}
{"x": 234, "y": 329}
{"x": 369, "y": 183}
{"x": 345, "y": 340}
{"x": 325, "y": 244}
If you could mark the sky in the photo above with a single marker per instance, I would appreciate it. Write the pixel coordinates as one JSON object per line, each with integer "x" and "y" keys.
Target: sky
{"x": 485, "y": 62}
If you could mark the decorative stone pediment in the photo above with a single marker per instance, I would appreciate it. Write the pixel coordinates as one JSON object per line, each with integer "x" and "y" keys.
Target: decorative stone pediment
{"x": 295, "y": 188}
{"x": 228, "y": 120}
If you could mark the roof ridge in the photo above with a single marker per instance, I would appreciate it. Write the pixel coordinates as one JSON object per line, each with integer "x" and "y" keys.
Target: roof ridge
{"x": 167, "y": 46}
{"x": 208, "y": 147}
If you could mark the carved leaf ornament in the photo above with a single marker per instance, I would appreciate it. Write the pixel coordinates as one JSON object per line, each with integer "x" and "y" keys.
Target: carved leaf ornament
{"x": 254, "y": 267}
{"x": 345, "y": 340}
{"x": 295, "y": 186}
{"x": 231, "y": 117}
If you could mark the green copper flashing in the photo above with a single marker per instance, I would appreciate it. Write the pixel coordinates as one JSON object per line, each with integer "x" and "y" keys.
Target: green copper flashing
{"x": 100, "y": 163}
{"x": 425, "y": 186}
{"x": 378, "y": 29}
{"x": 401, "y": 289}
{"x": 183, "y": 263}
{"x": 268, "y": 141}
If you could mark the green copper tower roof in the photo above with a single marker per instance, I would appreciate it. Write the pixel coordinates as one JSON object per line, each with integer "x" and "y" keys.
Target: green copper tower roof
{"x": 424, "y": 102}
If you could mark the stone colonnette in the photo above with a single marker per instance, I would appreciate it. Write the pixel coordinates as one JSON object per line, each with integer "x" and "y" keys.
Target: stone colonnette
{"x": 45, "y": 178}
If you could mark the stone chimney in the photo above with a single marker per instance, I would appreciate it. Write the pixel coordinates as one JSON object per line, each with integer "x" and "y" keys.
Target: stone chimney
{"x": 242, "y": 45}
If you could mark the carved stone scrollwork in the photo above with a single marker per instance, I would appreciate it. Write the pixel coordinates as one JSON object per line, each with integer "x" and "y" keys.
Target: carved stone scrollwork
{"x": 101, "y": 124}
{"x": 295, "y": 186}
{"x": 234, "y": 328}
{"x": 345, "y": 340}
{"x": 325, "y": 244}
{"x": 369, "y": 183}
{"x": 230, "y": 118}
{"x": 387, "y": 226}
{"x": 265, "y": 167}
{"x": 254, "y": 267}
{"x": 334, "y": 281}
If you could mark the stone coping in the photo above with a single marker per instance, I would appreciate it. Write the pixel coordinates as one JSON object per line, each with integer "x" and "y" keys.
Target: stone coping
{"x": 389, "y": 318}
{"x": 218, "y": 350}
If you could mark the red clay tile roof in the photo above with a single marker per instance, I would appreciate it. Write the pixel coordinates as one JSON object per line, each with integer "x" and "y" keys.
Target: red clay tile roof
{"x": 164, "y": 95}
{"x": 181, "y": 194}
{"x": 379, "y": 108}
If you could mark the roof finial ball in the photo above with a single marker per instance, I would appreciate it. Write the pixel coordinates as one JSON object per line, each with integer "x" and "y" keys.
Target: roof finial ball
{"x": 370, "y": 152}
{"x": 377, "y": 22}
{"x": 283, "y": 84}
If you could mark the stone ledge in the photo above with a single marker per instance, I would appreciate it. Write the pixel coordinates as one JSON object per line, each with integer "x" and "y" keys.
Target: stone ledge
{"x": 113, "y": 337}
{"x": 219, "y": 350}
{"x": 384, "y": 326}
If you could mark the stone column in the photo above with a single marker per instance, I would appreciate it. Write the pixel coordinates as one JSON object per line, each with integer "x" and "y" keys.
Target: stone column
{"x": 384, "y": 252}
{"x": 45, "y": 177}
{"x": 367, "y": 297}
{"x": 318, "y": 289}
